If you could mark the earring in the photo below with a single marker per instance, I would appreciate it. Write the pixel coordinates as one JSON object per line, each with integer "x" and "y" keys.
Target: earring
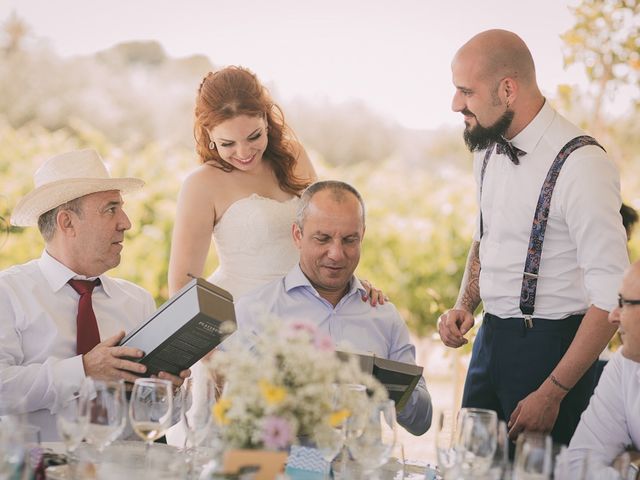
{"x": 212, "y": 146}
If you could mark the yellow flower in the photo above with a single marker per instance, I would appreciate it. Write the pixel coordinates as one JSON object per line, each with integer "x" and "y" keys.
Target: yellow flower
{"x": 272, "y": 393}
{"x": 220, "y": 410}
{"x": 338, "y": 417}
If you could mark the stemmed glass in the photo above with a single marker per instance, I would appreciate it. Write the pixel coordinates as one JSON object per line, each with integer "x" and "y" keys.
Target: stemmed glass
{"x": 533, "y": 456}
{"x": 353, "y": 396}
{"x": 197, "y": 399}
{"x": 330, "y": 436}
{"x": 12, "y": 448}
{"x": 500, "y": 463}
{"x": 445, "y": 437}
{"x": 13, "y": 424}
{"x": 72, "y": 422}
{"x": 106, "y": 412}
{"x": 151, "y": 409}
{"x": 475, "y": 441}
{"x": 373, "y": 447}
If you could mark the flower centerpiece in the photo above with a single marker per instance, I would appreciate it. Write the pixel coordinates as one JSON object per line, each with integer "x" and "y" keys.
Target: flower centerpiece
{"x": 281, "y": 386}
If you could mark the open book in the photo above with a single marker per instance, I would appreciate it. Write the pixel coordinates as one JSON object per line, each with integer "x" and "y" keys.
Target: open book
{"x": 185, "y": 328}
{"x": 398, "y": 378}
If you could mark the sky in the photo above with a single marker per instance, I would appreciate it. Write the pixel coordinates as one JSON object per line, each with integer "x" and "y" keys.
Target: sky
{"x": 393, "y": 55}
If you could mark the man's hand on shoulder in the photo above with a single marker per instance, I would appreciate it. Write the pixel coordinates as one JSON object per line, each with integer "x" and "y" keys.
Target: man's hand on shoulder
{"x": 453, "y": 325}
{"x": 107, "y": 361}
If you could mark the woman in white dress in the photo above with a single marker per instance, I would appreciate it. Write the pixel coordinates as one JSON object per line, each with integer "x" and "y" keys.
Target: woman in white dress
{"x": 245, "y": 192}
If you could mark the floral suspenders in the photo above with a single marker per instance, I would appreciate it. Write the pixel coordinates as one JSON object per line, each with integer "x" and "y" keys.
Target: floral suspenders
{"x": 536, "y": 239}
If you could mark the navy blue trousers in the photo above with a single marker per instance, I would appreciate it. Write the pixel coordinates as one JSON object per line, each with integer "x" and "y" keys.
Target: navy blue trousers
{"x": 509, "y": 361}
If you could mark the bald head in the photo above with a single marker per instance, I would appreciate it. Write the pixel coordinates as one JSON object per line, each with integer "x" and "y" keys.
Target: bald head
{"x": 499, "y": 54}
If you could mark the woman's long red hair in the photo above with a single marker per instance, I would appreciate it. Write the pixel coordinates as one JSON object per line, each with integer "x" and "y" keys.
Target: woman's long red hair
{"x": 234, "y": 91}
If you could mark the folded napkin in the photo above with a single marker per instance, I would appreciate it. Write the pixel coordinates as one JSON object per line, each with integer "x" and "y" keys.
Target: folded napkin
{"x": 305, "y": 463}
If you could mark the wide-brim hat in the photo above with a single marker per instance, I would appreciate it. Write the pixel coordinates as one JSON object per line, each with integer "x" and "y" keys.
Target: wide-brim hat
{"x": 64, "y": 178}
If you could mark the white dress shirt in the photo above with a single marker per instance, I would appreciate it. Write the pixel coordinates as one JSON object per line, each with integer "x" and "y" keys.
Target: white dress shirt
{"x": 584, "y": 253}
{"x": 611, "y": 422}
{"x": 39, "y": 367}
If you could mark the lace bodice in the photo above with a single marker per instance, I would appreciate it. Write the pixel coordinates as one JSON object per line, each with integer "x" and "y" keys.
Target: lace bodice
{"x": 254, "y": 244}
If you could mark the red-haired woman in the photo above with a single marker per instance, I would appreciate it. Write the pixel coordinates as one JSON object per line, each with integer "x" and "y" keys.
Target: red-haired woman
{"x": 245, "y": 192}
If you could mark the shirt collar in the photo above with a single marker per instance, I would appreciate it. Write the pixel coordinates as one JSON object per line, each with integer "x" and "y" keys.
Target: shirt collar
{"x": 57, "y": 274}
{"x": 296, "y": 278}
{"x": 529, "y": 137}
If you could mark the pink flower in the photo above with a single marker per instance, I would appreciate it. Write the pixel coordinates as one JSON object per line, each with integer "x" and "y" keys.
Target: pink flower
{"x": 324, "y": 342}
{"x": 276, "y": 433}
{"x": 302, "y": 326}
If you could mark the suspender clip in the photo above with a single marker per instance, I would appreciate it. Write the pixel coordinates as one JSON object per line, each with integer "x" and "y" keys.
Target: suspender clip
{"x": 530, "y": 275}
{"x": 528, "y": 321}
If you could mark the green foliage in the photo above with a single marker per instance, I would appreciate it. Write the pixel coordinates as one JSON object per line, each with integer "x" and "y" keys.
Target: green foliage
{"x": 605, "y": 42}
{"x": 134, "y": 105}
{"x": 419, "y": 222}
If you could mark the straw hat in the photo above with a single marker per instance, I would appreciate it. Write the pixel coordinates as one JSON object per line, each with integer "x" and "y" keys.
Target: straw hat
{"x": 65, "y": 177}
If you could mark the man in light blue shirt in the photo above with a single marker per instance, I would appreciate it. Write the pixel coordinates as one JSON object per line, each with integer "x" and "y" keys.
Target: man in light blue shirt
{"x": 328, "y": 232}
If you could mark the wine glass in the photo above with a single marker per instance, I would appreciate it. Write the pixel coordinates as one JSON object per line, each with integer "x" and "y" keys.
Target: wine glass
{"x": 475, "y": 441}
{"x": 354, "y": 398}
{"x": 533, "y": 456}
{"x": 151, "y": 409}
{"x": 197, "y": 399}
{"x": 500, "y": 462}
{"x": 445, "y": 436}
{"x": 12, "y": 448}
{"x": 72, "y": 422}
{"x": 373, "y": 447}
{"x": 106, "y": 407}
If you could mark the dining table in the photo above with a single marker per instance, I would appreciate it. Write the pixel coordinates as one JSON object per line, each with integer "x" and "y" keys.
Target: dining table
{"x": 129, "y": 460}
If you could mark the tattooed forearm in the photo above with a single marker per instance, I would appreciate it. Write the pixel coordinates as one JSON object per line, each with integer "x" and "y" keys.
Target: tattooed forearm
{"x": 469, "y": 295}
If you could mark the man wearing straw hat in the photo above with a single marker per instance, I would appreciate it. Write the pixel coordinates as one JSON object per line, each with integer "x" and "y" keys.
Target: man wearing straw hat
{"x": 62, "y": 318}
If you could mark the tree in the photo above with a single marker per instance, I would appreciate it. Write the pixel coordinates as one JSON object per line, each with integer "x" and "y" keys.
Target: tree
{"x": 606, "y": 41}
{"x": 15, "y": 30}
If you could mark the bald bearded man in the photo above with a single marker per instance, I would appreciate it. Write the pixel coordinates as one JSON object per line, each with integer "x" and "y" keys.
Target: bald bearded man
{"x": 541, "y": 182}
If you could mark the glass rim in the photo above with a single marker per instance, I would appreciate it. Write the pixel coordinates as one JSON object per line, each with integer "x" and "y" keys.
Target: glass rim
{"x": 145, "y": 381}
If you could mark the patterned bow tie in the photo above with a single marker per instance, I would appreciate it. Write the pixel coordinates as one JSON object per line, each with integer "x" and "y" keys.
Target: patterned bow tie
{"x": 505, "y": 147}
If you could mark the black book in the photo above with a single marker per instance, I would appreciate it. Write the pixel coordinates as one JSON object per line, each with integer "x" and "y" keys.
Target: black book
{"x": 399, "y": 378}
{"x": 185, "y": 328}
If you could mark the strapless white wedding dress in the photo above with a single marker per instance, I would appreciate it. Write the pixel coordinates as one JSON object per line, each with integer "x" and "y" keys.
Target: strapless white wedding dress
{"x": 254, "y": 244}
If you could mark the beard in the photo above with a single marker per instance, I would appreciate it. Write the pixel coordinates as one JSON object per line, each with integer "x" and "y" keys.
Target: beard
{"x": 479, "y": 137}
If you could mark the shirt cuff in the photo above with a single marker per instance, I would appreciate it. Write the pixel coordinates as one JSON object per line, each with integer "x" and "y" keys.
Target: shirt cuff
{"x": 69, "y": 375}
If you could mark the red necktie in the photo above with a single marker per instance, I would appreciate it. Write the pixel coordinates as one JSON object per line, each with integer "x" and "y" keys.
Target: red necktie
{"x": 87, "y": 326}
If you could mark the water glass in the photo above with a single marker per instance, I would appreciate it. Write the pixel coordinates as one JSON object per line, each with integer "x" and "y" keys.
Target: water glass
{"x": 445, "y": 435}
{"x": 500, "y": 463}
{"x": 72, "y": 421}
{"x": 475, "y": 441}
{"x": 352, "y": 396}
{"x": 533, "y": 456}
{"x": 373, "y": 447}
{"x": 107, "y": 412}
{"x": 12, "y": 447}
{"x": 196, "y": 400}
